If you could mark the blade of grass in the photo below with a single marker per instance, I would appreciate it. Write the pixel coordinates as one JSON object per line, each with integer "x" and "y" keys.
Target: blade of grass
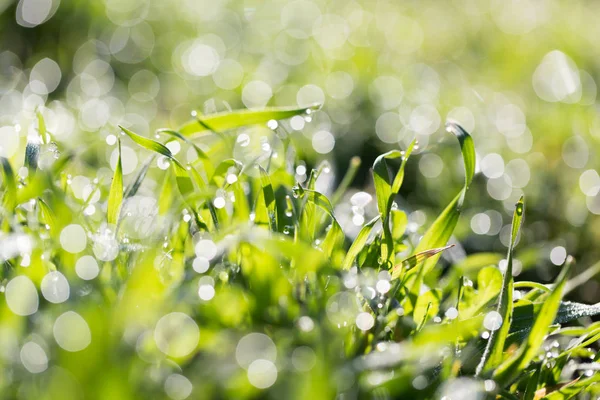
{"x": 184, "y": 182}
{"x": 229, "y": 120}
{"x": 137, "y": 182}
{"x": 359, "y": 243}
{"x": 442, "y": 228}
{"x": 386, "y": 190}
{"x": 10, "y": 185}
{"x": 493, "y": 353}
{"x": 47, "y": 217}
{"x": 512, "y": 367}
{"x": 269, "y": 198}
{"x": 208, "y": 167}
{"x": 416, "y": 259}
{"x": 347, "y": 180}
{"x": 32, "y": 152}
{"x": 115, "y": 196}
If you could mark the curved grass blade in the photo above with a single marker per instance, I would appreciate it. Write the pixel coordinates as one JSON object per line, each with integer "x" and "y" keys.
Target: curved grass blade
{"x": 135, "y": 185}
{"x": 32, "y": 152}
{"x": 442, "y": 228}
{"x": 10, "y": 185}
{"x": 416, "y": 259}
{"x": 115, "y": 196}
{"x": 47, "y": 217}
{"x": 512, "y": 367}
{"x": 386, "y": 189}
{"x": 573, "y": 388}
{"x": 310, "y": 221}
{"x": 347, "y": 180}
{"x": 150, "y": 144}
{"x": 440, "y": 231}
{"x": 493, "y": 353}
{"x": 359, "y": 243}
{"x": 269, "y": 197}
{"x": 229, "y": 120}
{"x": 41, "y": 125}
{"x": 184, "y": 182}
{"x": 208, "y": 166}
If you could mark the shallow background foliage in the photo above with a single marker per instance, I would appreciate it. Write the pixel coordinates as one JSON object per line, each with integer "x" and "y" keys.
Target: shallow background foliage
{"x": 155, "y": 241}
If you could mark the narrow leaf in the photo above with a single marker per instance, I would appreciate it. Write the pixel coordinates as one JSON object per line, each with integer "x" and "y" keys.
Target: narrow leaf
{"x": 229, "y": 120}
{"x": 10, "y": 185}
{"x": 511, "y": 368}
{"x": 115, "y": 196}
{"x": 386, "y": 190}
{"x": 359, "y": 243}
{"x": 269, "y": 197}
{"x": 416, "y": 259}
{"x": 493, "y": 354}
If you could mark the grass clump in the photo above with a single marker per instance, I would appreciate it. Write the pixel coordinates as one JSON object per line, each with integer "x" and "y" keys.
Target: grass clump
{"x": 228, "y": 278}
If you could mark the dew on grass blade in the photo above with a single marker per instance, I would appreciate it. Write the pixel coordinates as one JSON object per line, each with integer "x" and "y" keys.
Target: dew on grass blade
{"x": 492, "y": 321}
{"x": 106, "y": 246}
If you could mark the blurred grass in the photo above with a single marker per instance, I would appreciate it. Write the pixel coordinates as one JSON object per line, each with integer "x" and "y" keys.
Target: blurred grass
{"x": 285, "y": 209}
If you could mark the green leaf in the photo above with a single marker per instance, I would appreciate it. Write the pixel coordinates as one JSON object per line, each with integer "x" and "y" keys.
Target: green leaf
{"x": 41, "y": 125}
{"x": 269, "y": 198}
{"x": 47, "y": 217}
{"x": 10, "y": 185}
{"x": 137, "y": 182}
{"x": 427, "y": 306}
{"x": 184, "y": 182}
{"x": 115, "y": 196}
{"x": 493, "y": 354}
{"x": 512, "y": 367}
{"x": 573, "y": 388}
{"x": 532, "y": 383}
{"x": 386, "y": 190}
{"x": 442, "y": 228}
{"x": 440, "y": 231}
{"x": 32, "y": 152}
{"x": 149, "y": 144}
{"x": 359, "y": 243}
{"x": 489, "y": 285}
{"x": 310, "y": 226}
{"x": 229, "y": 120}
{"x": 209, "y": 168}
{"x": 416, "y": 259}
{"x": 348, "y": 178}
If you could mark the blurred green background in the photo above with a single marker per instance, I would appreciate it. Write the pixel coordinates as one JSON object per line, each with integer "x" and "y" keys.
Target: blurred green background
{"x": 519, "y": 75}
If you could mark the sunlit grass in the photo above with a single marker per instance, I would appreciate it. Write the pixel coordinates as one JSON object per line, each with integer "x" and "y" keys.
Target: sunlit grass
{"x": 219, "y": 277}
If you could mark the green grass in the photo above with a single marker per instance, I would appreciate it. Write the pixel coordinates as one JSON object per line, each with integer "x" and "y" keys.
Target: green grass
{"x": 234, "y": 280}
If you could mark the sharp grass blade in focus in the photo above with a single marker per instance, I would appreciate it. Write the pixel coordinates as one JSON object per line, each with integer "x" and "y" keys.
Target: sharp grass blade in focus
{"x": 512, "y": 367}
{"x": 230, "y": 120}
{"x": 386, "y": 188}
{"x": 442, "y": 228}
{"x": 494, "y": 349}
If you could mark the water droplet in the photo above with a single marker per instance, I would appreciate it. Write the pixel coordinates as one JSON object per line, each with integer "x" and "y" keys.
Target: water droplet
{"x": 272, "y": 124}
{"x": 492, "y": 321}
{"x": 243, "y": 140}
